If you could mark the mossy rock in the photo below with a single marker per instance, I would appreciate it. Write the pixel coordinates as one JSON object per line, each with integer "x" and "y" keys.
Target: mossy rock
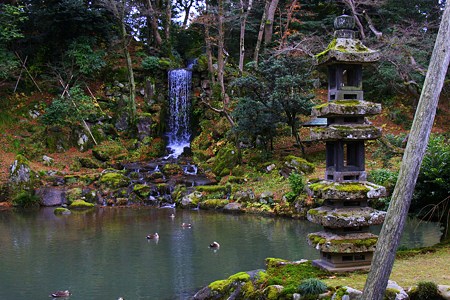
{"x": 209, "y": 189}
{"x": 87, "y": 162}
{"x": 172, "y": 169}
{"x": 61, "y": 211}
{"x": 114, "y": 180}
{"x": 202, "y": 142}
{"x": 81, "y": 204}
{"x": 109, "y": 150}
{"x": 225, "y": 160}
{"x": 221, "y": 285}
{"x": 142, "y": 190}
{"x": 201, "y": 155}
{"x": 273, "y": 292}
{"x": 151, "y": 149}
{"x": 213, "y": 203}
{"x": 57, "y": 139}
{"x": 122, "y": 201}
{"x": 300, "y": 165}
{"x": 73, "y": 194}
{"x": 20, "y": 174}
{"x": 178, "y": 192}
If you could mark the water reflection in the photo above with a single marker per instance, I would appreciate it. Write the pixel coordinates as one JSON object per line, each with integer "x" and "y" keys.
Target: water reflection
{"x": 104, "y": 253}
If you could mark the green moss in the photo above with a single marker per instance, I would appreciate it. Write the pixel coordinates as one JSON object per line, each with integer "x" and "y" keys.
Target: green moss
{"x": 342, "y": 187}
{"x": 114, "y": 180}
{"x": 331, "y": 45}
{"x": 213, "y": 203}
{"x": 87, "y": 162}
{"x": 73, "y": 194}
{"x": 338, "y": 102}
{"x": 249, "y": 291}
{"x": 221, "y": 285}
{"x": 272, "y": 293}
{"x": 390, "y": 294}
{"x": 351, "y": 187}
{"x": 341, "y": 292}
{"x": 109, "y": 150}
{"x": 61, "y": 211}
{"x": 241, "y": 276}
{"x": 281, "y": 272}
{"x": 172, "y": 169}
{"x": 142, "y": 190}
{"x": 81, "y": 204}
{"x": 209, "y": 189}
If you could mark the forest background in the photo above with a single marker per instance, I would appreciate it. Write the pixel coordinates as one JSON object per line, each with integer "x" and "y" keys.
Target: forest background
{"x": 60, "y": 61}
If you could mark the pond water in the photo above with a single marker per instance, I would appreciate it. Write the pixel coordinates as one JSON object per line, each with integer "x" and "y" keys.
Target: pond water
{"x": 104, "y": 254}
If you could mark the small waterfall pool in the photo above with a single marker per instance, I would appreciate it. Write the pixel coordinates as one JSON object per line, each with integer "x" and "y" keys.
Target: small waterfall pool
{"x": 178, "y": 134}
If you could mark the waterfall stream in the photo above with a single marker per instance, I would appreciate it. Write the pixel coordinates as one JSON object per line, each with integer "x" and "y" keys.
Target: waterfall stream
{"x": 178, "y": 133}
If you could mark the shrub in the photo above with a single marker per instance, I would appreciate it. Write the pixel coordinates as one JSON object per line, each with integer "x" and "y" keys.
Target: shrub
{"x": 297, "y": 183}
{"x": 433, "y": 183}
{"x": 150, "y": 63}
{"x": 386, "y": 178}
{"x": 25, "y": 199}
{"x": 425, "y": 290}
{"x": 312, "y": 286}
{"x": 62, "y": 111}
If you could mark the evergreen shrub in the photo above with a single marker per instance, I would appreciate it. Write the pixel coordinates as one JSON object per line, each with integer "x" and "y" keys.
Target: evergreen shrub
{"x": 425, "y": 290}
{"x": 312, "y": 286}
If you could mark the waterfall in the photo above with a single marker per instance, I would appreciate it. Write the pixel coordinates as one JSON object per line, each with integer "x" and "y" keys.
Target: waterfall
{"x": 178, "y": 133}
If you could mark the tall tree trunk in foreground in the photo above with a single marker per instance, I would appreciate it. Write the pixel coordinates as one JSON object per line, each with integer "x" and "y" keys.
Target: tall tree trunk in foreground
{"x": 415, "y": 150}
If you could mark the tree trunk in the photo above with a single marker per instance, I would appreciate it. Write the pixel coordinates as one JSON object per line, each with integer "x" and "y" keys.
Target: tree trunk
{"x": 168, "y": 20}
{"x": 415, "y": 150}
{"x": 268, "y": 29}
{"x": 260, "y": 33}
{"x": 154, "y": 23}
{"x": 220, "y": 51}
{"x": 187, "y": 11}
{"x": 208, "y": 45}
{"x": 288, "y": 22}
{"x": 244, "y": 15}
{"x": 132, "y": 95}
{"x": 351, "y": 5}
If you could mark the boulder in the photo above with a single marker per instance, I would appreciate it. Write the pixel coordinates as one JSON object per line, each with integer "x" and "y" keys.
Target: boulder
{"x": 191, "y": 200}
{"x": 51, "y": 196}
{"x": 20, "y": 171}
{"x": 346, "y": 293}
{"x": 233, "y": 207}
{"x": 394, "y": 288}
{"x": 444, "y": 291}
{"x": 62, "y": 211}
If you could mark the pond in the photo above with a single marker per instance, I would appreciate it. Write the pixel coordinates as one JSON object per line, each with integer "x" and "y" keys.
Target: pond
{"x": 104, "y": 253}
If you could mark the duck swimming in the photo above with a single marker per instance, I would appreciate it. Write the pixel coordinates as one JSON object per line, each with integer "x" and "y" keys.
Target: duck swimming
{"x": 214, "y": 245}
{"x": 153, "y": 236}
{"x": 186, "y": 225}
{"x": 59, "y": 294}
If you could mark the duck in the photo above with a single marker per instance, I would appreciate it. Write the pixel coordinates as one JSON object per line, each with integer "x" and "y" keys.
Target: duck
{"x": 186, "y": 225}
{"x": 153, "y": 236}
{"x": 214, "y": 245}
{"x": 59, "y": 294}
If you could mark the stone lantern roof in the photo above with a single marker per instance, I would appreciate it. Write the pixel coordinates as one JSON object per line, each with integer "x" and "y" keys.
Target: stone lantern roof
{"x": 345, "y": 48}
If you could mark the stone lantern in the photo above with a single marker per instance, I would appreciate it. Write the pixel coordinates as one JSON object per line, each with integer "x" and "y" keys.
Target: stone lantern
{"x": 346, "y": 243}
